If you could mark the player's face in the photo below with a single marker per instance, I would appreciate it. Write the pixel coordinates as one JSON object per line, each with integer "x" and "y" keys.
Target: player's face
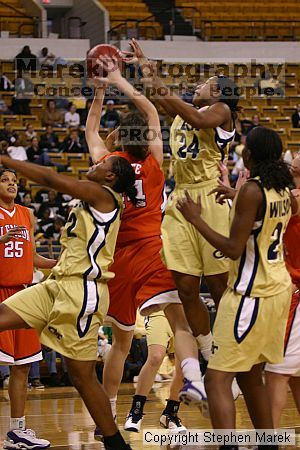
{"x": 8, "y": 186}
{"x": 205, "y": 92}
{"x": 295, "y": 167}
{"x": 98, "y": 172}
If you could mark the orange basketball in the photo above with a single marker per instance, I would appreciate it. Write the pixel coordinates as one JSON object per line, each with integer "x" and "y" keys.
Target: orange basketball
{"x": 93, "y": 68}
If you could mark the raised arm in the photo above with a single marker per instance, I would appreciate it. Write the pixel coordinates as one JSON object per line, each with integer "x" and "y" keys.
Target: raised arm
{"x": 96, "y": 145}
{"x": 146, "y": 108}
{"x": 211, "y": 117}
{"x": 88, "y": 191}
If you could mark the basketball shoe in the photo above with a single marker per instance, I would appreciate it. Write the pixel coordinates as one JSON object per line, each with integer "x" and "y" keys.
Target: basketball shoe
{"x": 24, "y": 439}
{"x": 172, "y": 423}
{"x": 134, "y": 420}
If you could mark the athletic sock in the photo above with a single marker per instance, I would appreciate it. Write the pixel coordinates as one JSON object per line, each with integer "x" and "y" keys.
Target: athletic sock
{"x": 171, "y": 408}
{"x": 113, "y": 405}
{"x": 17, "y": 423}
{"x": 191, "y": 369}
{"x": 115, "y": 442}
{"x": 138, "y": 403}
{"x": 205, "y": 344}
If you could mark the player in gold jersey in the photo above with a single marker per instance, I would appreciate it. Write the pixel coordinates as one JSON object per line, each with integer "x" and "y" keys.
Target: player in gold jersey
{"x": 252, "y": 315}
{"x": 200, "y": 138}
{"x": 69, "y": 306}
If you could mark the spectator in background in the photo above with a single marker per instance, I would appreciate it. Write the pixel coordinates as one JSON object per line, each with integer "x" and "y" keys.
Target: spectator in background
{"x": 44, "y": 220}
{"x": 29, "y": 132}
{"x": 46, "y": 59}
{"x": 72, "y": 118}
{"x": 52, "y": 116}
{"x": 84, "y": 112}
{"x": 62, "y": 103}
{"x": 54, "y": 204}
{"x": 25, "y": 60}
{"x": 253, "y": 124}
{"x": 15, "y": 150}
{"x": 110, "y": 118}
{"x": 73, "y": 143}
{"x": 37, "y": 155}
{"x": 6, "y": 84}
{"x": 53, "y": 232}
{"x": 7, "y": 132}
{"x": 3, "y": 147}
{"x": 27, "y": 201}
{"x": 24, "y": 89}
{"x": 49, "y": 140}
{"x": 3, "y": 107}
{"x": 296, "y": 117}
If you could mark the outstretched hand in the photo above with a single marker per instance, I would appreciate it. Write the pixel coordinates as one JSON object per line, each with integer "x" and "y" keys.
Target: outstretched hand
{"x": 223, "y": 192}
{"x": 111, "y": 66}
{"x": 189, "y": 209}
{"x": 136, "y": 55}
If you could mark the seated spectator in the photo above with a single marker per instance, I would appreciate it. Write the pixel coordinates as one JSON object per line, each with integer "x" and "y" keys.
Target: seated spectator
{"x": 73, "y": 143}
{"x": 24, "y": 89}
{"x": 29, "y": 133}
{"x": 45, "y": 58}
{"x": 15, "y": 150}
{"x": 7, "y": 132}
{"x": 45, "y": 220}
{"x": 49, "y": 140}
{"x": 37, "y": 155}
{"x": 25, "y": 60}
{"x": 249, "y": 125}
{"x": 3, "y": 107}
{"x": 53, "y": 232}
{"x": 54, "y": 204}
{"x": 6, "y": 84}
{"x": 72, "y": 118}
{"x": 110, "y": 118}
{"x": 84, "y": 112}
{"x": 27, "y": 201}
{"x": 62, "y": 103}
{"x": 52, "y": 116}
{"x": 296, "y": 117}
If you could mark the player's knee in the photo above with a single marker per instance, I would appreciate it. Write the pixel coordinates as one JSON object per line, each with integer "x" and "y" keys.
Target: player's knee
{"x": 155, "y": 360}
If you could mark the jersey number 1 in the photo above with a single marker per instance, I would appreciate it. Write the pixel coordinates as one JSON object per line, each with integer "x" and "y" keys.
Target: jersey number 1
{"x": 13, "y": 249}
{"x": 140, "y": 195}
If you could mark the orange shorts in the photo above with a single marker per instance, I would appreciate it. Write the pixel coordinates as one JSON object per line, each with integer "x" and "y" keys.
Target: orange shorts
{"x": 141, "y": 281}
{"x": 18, "y": 347}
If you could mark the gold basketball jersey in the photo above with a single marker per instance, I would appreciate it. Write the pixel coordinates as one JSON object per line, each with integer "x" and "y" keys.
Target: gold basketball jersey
{"x": 196, "y": 153}
{"x": 88, "y": 242}
{"x": 261, "y": 270}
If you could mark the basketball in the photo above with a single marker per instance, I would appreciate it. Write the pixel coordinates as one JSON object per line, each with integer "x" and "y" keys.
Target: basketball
{"x": 93, "y": 68}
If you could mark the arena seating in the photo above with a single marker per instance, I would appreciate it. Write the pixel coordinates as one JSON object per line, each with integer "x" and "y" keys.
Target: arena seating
{"x": 126, "y": 14}
{"x": 13, "y": 18}
{"x": 235, "y": 20}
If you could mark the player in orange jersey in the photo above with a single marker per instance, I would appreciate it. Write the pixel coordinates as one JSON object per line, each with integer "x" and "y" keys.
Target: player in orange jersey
{"x": 279, "y": 376}
{"x": 18, "y": 348}
{"x": 141, "y": 278}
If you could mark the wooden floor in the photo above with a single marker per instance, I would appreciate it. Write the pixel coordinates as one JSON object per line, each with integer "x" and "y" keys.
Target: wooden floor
{"x": 58, "y": 414}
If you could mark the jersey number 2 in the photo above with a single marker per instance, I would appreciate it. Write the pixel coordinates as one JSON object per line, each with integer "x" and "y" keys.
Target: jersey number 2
{"x": 274, "y": 253}
{"x": 13, "y": 249}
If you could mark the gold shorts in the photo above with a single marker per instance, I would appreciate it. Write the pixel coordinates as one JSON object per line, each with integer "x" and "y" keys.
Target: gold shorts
{"x": 184, "y": 249}
{"x": 159, "y": 332}
{"x": 249, "y": 331}
{"x": 66, "y": 313}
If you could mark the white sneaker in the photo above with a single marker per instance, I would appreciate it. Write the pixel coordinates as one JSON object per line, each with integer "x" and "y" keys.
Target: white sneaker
{"x": 24, "y": 439}
{"x": 193, "y": 393}
{"x": 134, "y": 421}
{"x": 172, "y": 423}
{"x": 5, "y": 383}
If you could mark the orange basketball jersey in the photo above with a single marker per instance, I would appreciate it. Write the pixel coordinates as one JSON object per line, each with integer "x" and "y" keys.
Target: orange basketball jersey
{"x": 144, "y": 220}
{"x": 16, "y": 255}
{"x": 291, "y": 241}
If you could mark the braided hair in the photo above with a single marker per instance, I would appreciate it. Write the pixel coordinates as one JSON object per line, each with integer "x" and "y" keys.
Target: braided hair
{"x": 230, "y": 93}
{"x": 125, "y": 182}
{"x": 265, "y": 147}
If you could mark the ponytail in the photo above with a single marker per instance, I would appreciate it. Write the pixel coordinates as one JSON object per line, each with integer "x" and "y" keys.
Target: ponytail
{"x": 125, "y": 182}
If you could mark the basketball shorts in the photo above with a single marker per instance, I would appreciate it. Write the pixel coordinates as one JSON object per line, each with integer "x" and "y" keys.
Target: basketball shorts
{"x": 291, "y": 361}
{"x": 18, "y": 347}
{"x": 66, "y": 312}
{"x": 141, "y": 281}
{"x": 159, "y": 332}
{"x": 249, "y": 331}
{"x": 184, "y": 249}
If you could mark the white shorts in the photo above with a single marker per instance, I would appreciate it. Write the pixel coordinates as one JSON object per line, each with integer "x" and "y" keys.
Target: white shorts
{"x": 290, "y": 364}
